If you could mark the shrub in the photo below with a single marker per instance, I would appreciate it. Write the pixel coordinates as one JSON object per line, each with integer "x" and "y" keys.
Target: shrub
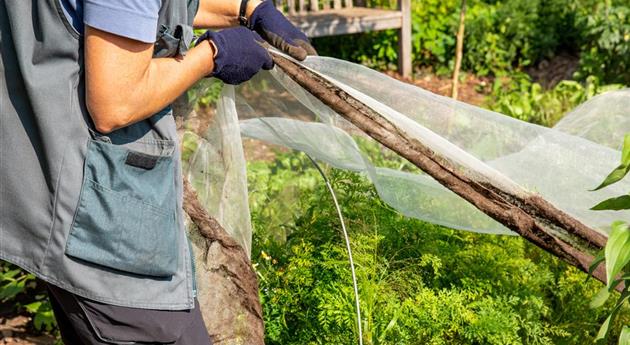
{"x": 502, "y": 37}
{"x": 519, "y": 97}
{"x": 605, "y": 51}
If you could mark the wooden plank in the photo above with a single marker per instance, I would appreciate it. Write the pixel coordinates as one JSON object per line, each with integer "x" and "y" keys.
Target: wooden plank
{"x": 347, "y": 21}
{"x": 348, "y": 13}
{"x": 314, "y": 5}
{"x": 301, "y": 6}
{"x": 337, "y": 4}
{"x": 349, "y": 3}
{"x": 404, "y": 39}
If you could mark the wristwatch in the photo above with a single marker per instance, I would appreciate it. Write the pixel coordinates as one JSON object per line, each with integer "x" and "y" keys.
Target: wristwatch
{"x": 242, "y": 19}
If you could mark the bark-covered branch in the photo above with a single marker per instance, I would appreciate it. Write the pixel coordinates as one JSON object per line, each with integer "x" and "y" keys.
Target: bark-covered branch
{"x": 227, "y": 282}
{"x": 526, "y": 213}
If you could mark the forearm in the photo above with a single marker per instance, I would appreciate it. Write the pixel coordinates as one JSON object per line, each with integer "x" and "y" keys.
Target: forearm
{"x": 136, "y": 86}
{"x": 164, "y": 80}
{"x": 221, "y": 13}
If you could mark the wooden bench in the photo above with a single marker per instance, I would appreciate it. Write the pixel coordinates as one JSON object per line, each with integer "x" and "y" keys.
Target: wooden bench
{"x": 319, "y": 18}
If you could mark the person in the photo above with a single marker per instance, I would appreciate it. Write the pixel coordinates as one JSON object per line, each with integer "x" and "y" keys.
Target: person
{"x": 90, "y": 177}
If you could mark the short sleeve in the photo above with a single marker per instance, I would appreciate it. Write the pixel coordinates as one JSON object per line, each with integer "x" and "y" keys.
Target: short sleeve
{"x": 135, "y": 19}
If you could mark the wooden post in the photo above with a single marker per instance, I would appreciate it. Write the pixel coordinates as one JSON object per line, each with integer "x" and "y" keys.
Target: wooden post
{"x": 459, "y": 49}
{"x": 404, "y": 39}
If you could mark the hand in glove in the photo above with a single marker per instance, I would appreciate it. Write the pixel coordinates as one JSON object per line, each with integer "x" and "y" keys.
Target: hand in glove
{"x": 276, "y": 29}
{"x": 239, "y": 54}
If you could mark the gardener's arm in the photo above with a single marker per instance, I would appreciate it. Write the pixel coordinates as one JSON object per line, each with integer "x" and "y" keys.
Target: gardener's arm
{"x": 124, "y": 84}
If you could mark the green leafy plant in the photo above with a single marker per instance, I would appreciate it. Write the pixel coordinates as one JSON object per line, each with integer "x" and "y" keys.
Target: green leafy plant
{"x": 605, "y": 51}
{"x": 43, "y": 317}
{"x": 21, "y": 289}
{"x": 418, "y": 283}
{"x": 617, "y": 252}
{"x": 523, "y": 99}
{"x": 13, "y": 281}
{"x": 502, "y": 37}
{"x": 205, "y": 92}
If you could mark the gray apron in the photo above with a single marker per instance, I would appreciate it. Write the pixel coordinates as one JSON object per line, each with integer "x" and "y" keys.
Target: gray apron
{"x": 97, "y": 215}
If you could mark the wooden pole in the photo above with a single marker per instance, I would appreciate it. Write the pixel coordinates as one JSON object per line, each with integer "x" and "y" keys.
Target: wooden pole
{"x": 526, "y": 213}
{"x": 404, "y": 40}
{"x": 459, "y": 49}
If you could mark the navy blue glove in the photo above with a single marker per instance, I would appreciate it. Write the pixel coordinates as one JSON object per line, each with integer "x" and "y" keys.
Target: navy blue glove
{"x": 239, "y": 55}
{"x": 276, "y": 29}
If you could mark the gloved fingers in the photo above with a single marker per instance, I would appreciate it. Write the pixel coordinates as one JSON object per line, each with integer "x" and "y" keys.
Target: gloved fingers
{"x": 268, "y": 64}
{"x": 279, "y": 42}
{"x": 306, "y": 45}
{"x": 264, "y": 52}
{"x": 295, "y": 52}
{"x": 276, "y": 29}
{"x": 240, "y": 54}
{"x": 258, "y": 39}
{"x": 261, "y": 41}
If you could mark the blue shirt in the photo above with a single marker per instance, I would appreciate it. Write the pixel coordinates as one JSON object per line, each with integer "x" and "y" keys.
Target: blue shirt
{"x": 135, "y": 19}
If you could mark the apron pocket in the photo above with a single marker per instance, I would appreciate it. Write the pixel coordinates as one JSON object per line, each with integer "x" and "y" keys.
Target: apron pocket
{"x": 126, "y": 217}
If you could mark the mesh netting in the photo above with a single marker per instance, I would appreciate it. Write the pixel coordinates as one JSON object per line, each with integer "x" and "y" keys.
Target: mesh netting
{"x": 561, "y": 163}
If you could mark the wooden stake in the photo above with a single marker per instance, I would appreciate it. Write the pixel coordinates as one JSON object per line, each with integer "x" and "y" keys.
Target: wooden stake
{"x": 459, "y": 50}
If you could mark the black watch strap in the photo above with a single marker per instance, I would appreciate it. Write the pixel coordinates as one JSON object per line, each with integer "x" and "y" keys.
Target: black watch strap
{"x": 242, "y": 19}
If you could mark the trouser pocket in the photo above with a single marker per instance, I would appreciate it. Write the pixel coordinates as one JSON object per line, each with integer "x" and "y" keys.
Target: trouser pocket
{"x": 126, "y": 216}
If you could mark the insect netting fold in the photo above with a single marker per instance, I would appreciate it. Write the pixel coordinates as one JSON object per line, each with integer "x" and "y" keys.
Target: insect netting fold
{"x": 561, "y": 163}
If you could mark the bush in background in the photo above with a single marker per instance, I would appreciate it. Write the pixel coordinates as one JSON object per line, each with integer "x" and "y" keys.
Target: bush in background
{"x": 605, "y": 49}
{"x": 503, "y": 37}
{"x": 519, "y": 97}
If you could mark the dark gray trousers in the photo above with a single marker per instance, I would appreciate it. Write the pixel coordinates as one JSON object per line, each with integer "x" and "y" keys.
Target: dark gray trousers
{"x": 85, "y": 322}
